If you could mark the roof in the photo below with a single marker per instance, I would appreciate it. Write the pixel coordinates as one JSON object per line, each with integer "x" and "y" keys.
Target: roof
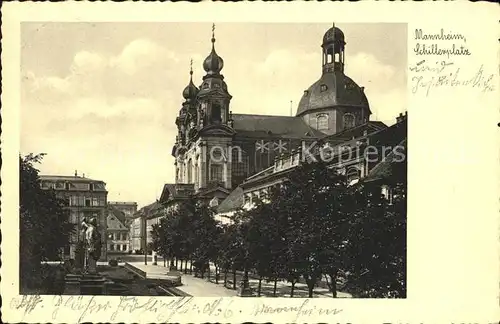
{"x": 259, "y": 126}
{"x": 332, "y": 89}
{"x": 176, "y": 191}
{"x": 384, "y": 168}
{"x": 233, "y": 201}
{"x": 66, "y": 178}
{"x": 117, "y": 213}
{"x": 133, "y": 203}
{"x": 347, "y": 134}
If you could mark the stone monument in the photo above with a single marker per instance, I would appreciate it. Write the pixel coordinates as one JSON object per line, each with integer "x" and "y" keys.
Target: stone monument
{"x": 91, "y": 282}
{"x": 93, "y": 246}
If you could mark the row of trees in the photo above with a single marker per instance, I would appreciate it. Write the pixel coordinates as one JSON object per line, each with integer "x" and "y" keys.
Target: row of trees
{"x": 44, "y": 226}
{"x": 312, "y": 227}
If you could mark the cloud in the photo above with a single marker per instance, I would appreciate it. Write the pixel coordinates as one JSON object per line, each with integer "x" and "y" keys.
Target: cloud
{"x": 366, "y": 70}
{"x": 141, "y": 54}
{"x": 142, "y": 68}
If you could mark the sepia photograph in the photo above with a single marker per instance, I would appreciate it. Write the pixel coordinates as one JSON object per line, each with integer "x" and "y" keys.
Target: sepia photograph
{"x": 213, "y": 160}
{"x": 181, "y": 163}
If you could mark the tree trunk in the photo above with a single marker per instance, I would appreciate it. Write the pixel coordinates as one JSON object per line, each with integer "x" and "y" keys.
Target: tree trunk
{"x": 181, "y": 265}
{"x": 311, "y": 282}
{"x": 293, "y": 288}
{"x": 225, "y": 277}
{"x": 310, "y": 287}
{"x": 208, "y": 272}
{"x": 164, "y": 261}
{"x": 332, "y": 284}
{"x": 191, "y": 267}
{"x": 176, "y": 263}
{"x": 260, "y": 286}
{"x": 171, "y": 263}
{"x": 216, "y": 274}
{"x": 275, "y": 286}
{"x": 333, "y": 288}
{"x": 234, "y": 279}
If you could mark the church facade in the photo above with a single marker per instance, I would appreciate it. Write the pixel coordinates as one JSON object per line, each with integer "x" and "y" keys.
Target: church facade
{"x": 225, "y": 157}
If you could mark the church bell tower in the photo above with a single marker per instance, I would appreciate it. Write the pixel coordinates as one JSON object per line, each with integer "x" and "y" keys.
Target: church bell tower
{"x": 213, "y": 97}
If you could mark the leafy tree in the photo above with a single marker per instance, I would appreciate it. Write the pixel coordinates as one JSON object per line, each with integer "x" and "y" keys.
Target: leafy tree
{"x": 315, "y": 206}
{"x": 44, "y": 222}
{"x": 377, "y": 244}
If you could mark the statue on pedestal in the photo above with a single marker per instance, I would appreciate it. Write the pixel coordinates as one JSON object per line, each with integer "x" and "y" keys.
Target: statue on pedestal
{"x": 92, "y": 245}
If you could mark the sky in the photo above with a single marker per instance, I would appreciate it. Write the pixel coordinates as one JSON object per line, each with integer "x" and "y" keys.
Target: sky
{"x": 102, "y": 98}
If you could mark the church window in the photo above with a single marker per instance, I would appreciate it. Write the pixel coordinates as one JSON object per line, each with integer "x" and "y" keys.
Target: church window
{"x": 323, "y": 87}
{"x": 216, "y": 171}
{"x": 348, "y": 121}
{"x": 216, "y": 85}
{"x": 216, "y": 112}
{"x": 322, "y": 121}
{"x": 216, "y": 154}
{"x": 205, "y": 85}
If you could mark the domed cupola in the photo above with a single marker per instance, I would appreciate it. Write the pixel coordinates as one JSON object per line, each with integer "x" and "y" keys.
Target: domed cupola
{"x": 213, "y": 97}
{"x": 191, "y": 91}
{"x": 213, "y": 64}
{"x": 334, "y": 102}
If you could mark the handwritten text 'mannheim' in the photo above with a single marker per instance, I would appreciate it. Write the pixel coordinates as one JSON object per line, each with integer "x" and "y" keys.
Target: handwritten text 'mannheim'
{"x": 438, "y": 46}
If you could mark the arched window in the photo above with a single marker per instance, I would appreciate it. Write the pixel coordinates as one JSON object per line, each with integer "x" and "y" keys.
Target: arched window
{"x": 349, "y": 121}
{"x": 216, "y": 112}
{"x": 322, "y": 121}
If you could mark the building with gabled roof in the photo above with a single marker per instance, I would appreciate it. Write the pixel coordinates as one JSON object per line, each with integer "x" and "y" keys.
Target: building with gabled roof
{"x": 118, "y": 232}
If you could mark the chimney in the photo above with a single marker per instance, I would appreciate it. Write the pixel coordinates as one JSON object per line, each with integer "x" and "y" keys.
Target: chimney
{"x": 399, "y": 118}
{"x": 76, "y": 173}
{"x": 83, "y": 175}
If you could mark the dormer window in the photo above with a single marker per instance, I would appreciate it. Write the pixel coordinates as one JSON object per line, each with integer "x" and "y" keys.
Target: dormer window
{"x": 216, "y": 85}
{"x": 323, "y": 88}
{"x": 349, "y": 121}
{"x": 205, "y": 85}
{"x": 306, "y": 93}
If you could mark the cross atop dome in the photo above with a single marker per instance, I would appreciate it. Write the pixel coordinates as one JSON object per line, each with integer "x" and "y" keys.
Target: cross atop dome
{"x": 213, "y": 33}
{"x": 213, "y": 64}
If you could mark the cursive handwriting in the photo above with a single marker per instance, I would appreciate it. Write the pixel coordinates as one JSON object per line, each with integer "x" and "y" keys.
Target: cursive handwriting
{"x": 420, "y": 35}
{"x": 436, "y": 49}
{"x": 438, "y": 67}
{"x": 448, "y": 78}
{"x": 81, "y": 305}
{"x": 299, "y": 311}
{"x": 27, "y": 303}
{"x": 163, "y": 309}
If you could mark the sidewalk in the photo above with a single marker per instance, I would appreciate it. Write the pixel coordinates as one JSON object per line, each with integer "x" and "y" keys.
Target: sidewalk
{"x": 190, "y": 285}
{"x": 198, "y": 287}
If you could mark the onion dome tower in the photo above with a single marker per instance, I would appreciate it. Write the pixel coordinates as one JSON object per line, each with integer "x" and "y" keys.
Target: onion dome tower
{"x": 187, "y": 114}
{"x": 213, "y": 96}
{"x": 335, "y": 102}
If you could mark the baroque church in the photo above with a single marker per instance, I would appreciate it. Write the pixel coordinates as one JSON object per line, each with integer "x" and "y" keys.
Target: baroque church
{"x": 225, "y": 157}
